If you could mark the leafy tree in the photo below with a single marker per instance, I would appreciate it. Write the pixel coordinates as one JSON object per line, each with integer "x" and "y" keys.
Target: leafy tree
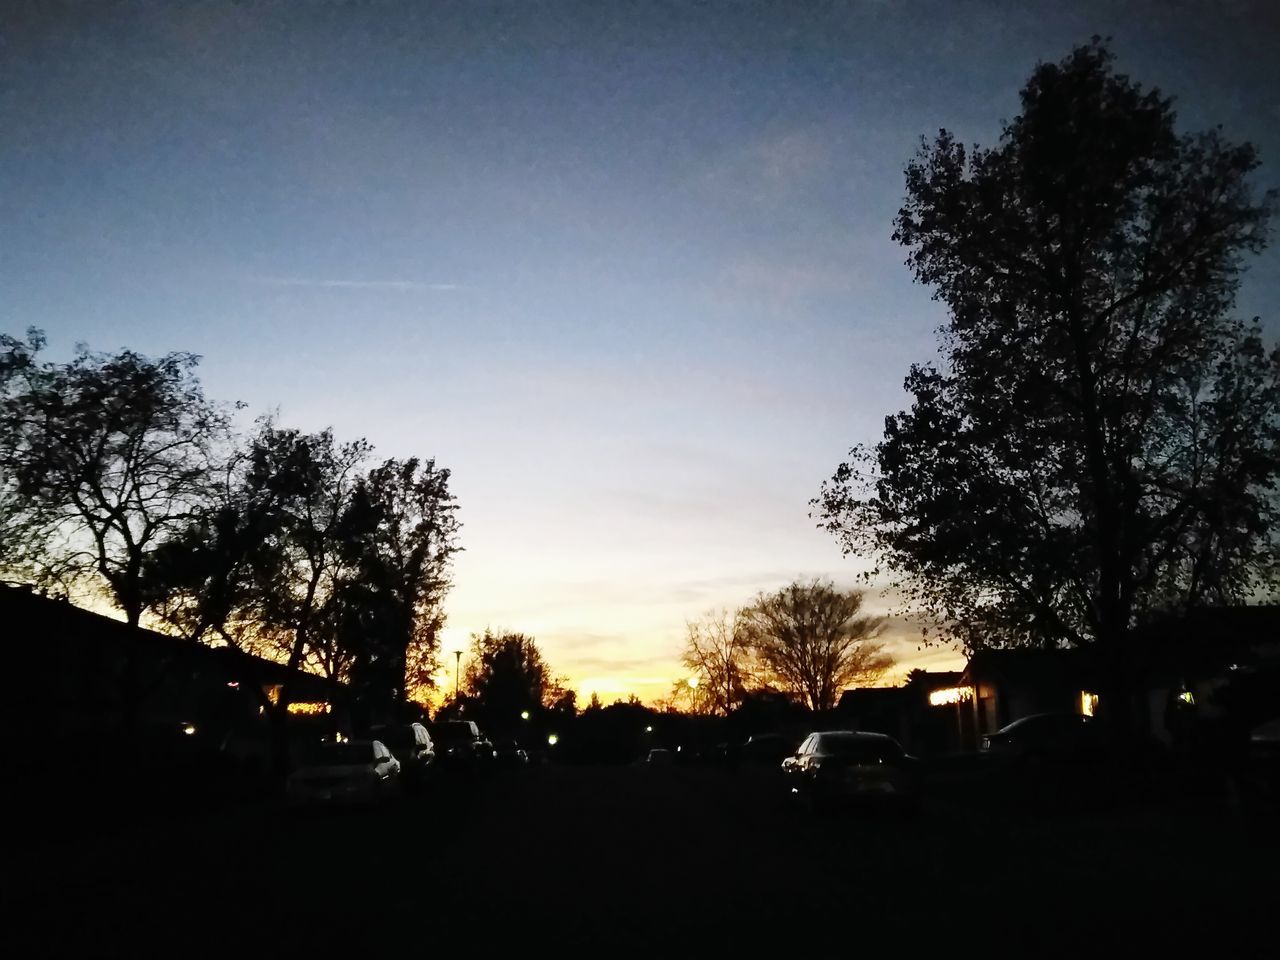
{"x": 562, "y": 702}
{"x": 308, "y": 558}
{"x": 396, "y": 541}
{"x": 718, "y": 654}
{"x": 812, "y": 640}
{"x": 507, "y": 676}
{"x": 1100, "y": 439}
{"x": 103, "y": 459}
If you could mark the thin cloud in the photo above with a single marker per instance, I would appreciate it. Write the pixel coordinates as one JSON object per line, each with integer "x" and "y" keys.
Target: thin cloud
{"x": 356, "y": 284}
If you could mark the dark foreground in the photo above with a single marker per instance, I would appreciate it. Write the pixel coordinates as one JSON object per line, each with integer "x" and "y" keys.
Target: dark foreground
{"x": 632, "y": 860}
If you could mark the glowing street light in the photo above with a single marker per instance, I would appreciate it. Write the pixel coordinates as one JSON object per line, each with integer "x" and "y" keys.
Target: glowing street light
{"x": 524, "y": 714}
{"x": 552, "y": 740}
{"x": 189, "y": 729}
{"x": 648, "y": 729}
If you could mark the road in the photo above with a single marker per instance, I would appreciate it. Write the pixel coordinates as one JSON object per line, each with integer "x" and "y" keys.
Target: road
{"x": 631, "y": 860}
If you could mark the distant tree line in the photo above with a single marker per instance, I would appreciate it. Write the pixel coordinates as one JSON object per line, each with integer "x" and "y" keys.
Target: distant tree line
{"x": 808, "y": 641}
{"x": 118, "y": 477}
{"x": 508, "y": 687}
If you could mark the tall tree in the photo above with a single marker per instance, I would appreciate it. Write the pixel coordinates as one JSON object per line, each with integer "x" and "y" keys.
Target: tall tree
{"x": 507, "y": 676}
{"x": 398, "y": 536}
{"x": 102, "y": 460}
{"x": 1100, "y": 439}
{"x": 813, "y": 641}
{"x": 718, "y": 655}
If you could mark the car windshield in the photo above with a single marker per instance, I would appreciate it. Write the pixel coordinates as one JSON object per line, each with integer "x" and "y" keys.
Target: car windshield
{"x": 858, "y": 748}
{"x": 338, "y": 754}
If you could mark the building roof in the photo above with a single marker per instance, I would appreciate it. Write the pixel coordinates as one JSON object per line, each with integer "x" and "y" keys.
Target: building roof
{"x": 49, "y": 635}
{"x": 1204, "y": 640}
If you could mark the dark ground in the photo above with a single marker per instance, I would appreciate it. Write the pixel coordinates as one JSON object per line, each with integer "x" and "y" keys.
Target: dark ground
{"x": 630, "y": 860}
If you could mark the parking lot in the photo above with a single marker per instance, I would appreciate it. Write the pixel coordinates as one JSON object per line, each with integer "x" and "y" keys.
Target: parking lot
{"x": 626, "y": 860}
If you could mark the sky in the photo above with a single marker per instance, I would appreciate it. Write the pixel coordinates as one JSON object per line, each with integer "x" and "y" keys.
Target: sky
{"x": 624, "y": 268}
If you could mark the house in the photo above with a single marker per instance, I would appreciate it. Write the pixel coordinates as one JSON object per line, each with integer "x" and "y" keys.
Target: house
{"x": 73, "y": 675}
{"x": 1178, "y": 663}
{"x": 921, "y": 714}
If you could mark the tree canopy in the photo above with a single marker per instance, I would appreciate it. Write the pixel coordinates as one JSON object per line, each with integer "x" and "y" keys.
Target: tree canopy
{"x": 1100, "y": 438}
{"x": 103, "y": 459}
{"x": 118, "y": 478}
{"x": 506, "y": 676}
{"x": 718, "y": 655}
{"x": 812, "y": 641}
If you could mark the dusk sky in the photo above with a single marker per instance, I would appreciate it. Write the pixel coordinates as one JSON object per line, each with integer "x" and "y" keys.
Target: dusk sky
{"x": 625, "y": 269}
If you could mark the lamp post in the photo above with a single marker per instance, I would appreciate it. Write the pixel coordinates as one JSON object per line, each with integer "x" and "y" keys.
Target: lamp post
{"x": 457, "y": 666}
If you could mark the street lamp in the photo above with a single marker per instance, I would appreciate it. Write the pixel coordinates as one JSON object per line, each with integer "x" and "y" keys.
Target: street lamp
{"x": 524, "y": 714}
{"x": 552, "y": 740}
{"x": 457, "y": 666}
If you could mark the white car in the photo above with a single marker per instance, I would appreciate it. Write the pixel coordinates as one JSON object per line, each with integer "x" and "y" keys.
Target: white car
{"x": 356, "y": 771}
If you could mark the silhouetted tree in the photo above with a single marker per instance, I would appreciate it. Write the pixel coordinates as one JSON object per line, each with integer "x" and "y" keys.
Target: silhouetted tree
{"x": 562, "y": 702}
{"x": 507, "y": 676}
{"x": 718, "y": 654}
{"x": 1100, "y": 439}
{"x": 396, "y": 539}
{"x": 103, "y": 459}
{"x": 813, "y": 641}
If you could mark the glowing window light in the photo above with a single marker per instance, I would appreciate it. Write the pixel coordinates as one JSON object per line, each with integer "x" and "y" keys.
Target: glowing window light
{"x": 305, "y": 709}
{"x": 1088, "y": 703}
{"x": 947, "y": 695}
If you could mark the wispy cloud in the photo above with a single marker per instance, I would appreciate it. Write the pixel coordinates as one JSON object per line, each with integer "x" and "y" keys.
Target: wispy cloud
{"x": 344, "y": 284}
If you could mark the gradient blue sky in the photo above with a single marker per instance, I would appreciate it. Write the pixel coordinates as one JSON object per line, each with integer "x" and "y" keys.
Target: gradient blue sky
{"x": 624, "y": 268}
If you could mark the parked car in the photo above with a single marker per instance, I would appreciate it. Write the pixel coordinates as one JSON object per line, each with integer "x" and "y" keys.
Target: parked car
{"x": 460, "y": 744}
{"x": 841, "y": 765}
{"x": 768, "y": 749}
{"x": 508, "y": 753}
{"x": 411, "y": 744}
{"x": 1046, "y": 737}
{"x": 355, "y": 771}
{"x": 659, "y": 757}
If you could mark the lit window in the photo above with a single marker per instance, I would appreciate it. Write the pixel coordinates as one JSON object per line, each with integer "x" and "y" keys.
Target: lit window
{"x": 946, "y": 695}
{"x": 1088, "y": 703}
{"x": 307, "y": 709}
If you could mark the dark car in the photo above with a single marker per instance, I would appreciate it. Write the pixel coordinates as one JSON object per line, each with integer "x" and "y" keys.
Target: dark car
{"x": 659, "y": 757}
{"x": 460, "y": 744}
{"x": 1046, "y": 737}
{"x": 766, "y": 750}
{"x": 843, "y": 765}
{"x": 411, "y": 744}
{"x": 508, "y": 753}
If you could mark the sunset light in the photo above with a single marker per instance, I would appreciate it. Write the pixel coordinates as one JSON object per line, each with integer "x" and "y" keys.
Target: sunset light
{"x": 699, "y": 478}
